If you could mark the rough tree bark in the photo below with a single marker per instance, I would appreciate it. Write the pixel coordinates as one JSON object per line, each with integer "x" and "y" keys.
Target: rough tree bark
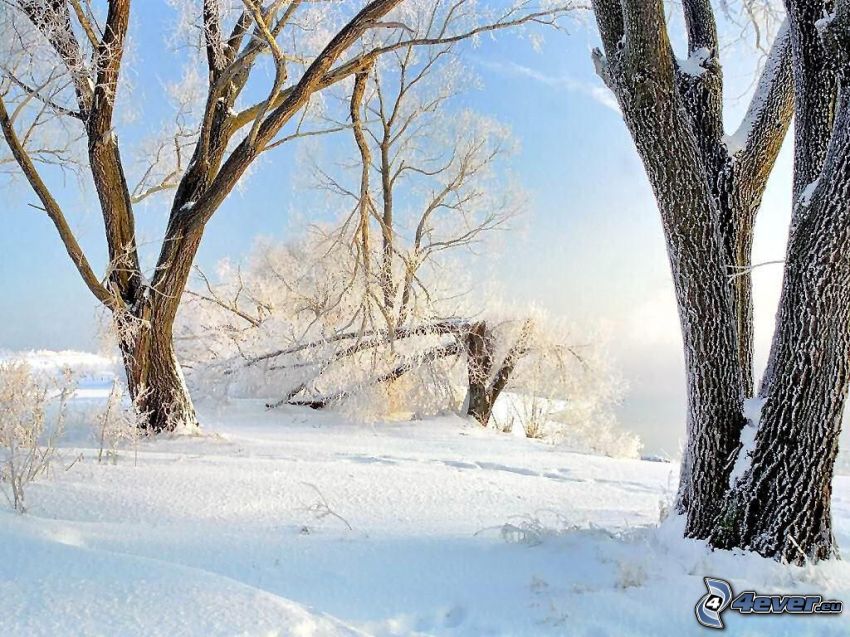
{"x": 781, "y": 505}
{"x": 709, "y": 188}
{"x": 479, "y": 361}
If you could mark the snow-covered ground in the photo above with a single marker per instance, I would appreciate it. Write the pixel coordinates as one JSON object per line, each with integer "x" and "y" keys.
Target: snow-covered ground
{"x": 293, "y": 522}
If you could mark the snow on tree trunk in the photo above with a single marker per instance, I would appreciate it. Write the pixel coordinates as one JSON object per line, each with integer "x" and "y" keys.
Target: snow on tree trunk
{"x": 695, "y": 249}
{"x": 479, "y": 361}
{"x": 766, "y": 487}
{"x": 154, "y": 376}
{"x": 655, "y": 112}
{"x": 781, "y": 506}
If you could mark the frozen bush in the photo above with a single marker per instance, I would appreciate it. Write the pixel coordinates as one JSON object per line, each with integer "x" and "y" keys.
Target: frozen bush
{"x": 291, "y": 328}
{"x": 28, "y": 433}
{"x": 563, "y": 392}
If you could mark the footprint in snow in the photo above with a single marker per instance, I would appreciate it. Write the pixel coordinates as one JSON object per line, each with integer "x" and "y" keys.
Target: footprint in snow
{"x": 501, "y": 467}
{"x": 560, "y": 477}
{"x": 370, "y": 460}
{"x": 457, "y": 464}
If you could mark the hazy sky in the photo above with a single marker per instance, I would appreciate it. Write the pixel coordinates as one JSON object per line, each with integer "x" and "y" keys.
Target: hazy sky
{"x": 590, "y": 247}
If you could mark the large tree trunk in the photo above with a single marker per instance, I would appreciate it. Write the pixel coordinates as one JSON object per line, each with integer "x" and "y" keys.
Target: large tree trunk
{"x": 708, "y": 188}
{"x": 653, "y": 112}
{"x": 714, "y": 382}
{"x": 781, "y": 505}
{"x": 157, "y": 385}
{"x": 154, "y": 376}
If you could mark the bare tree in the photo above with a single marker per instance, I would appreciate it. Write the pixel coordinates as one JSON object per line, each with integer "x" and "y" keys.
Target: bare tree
{"x": 432, "y": 180}
{"x": 709, "y": 188}
{"x": 73, "y": 53}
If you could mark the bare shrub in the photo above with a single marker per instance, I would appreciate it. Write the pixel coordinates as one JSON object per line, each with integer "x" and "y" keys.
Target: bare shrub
{"x": 28, "y": 434}
{"x": 121, "y": 422}
{"x": 320, "y": 507}
{"x": 534, "y": 529}
{"x": 563, "y": 388}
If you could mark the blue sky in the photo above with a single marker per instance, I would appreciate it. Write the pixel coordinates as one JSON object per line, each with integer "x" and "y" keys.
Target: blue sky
{"x": 589, "y": 249}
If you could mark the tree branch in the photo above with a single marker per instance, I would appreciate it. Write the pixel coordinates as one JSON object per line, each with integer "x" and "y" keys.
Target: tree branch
{"x": 701, "y": 25}
{"x": 104, "y": 156}
{"x": 609, "y": 18}
{"x": 763, "y": 128}
{"x": 364, "y": 60}
{"x": 54, "y": 22}
{"x": 433, "y": 354}
{"x": 815, "y": 86}
{"x": 85, "y": 23}
{"x": 51, "y": 207}
{"x": 312, "y": 80}
{"x": 212, "y": 37}
{"x": 380, "y": 336}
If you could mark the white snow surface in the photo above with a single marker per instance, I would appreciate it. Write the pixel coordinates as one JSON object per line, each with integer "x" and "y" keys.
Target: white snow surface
{"x": 455, "y": 530}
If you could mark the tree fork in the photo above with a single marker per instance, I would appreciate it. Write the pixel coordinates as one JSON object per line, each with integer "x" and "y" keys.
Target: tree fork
{"x": 707, "y": 195}
{"x": 781, "y": 506}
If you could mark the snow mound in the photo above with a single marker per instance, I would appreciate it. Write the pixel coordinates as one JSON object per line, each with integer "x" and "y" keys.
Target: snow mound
{"x": 51, "y": 584}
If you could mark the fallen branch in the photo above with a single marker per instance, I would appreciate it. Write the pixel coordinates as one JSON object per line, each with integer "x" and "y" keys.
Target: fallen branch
{"x": 376, "y": 337}
{"x": 444, "y": 351}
